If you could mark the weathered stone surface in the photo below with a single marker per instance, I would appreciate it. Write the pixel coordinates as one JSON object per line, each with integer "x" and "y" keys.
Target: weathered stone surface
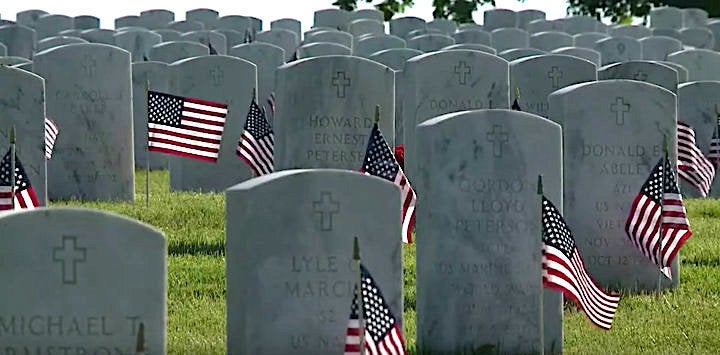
{"x": 322, "y": 49}
{"x": 445, "y": 26}
{"x": 155, "y": 76}
{"x": 330, "y": 128}
{"x": 333, "y": 18}
{"x": 584, "y": 53}
{"x": 168, "y": 35}
{"x": 702, "y": 64}
{"x": 618, "y": 49}
{"x": 482, "y": 258}
{"x": 537, "y": 77}
{"x": 89, "y": 96}
{"x": 472, "y": 36}
{"x": 509, "y": 38}
{"x": 20, "y": 40}
{"x": 97, "y": 35}
{"x": 659, "y": 47}
{"x": 542, "y": 25}
{"x": 634, "y": 31}
{"x": 339, "y": 37}
{"x": 369, "y": 45}
{"x": 698, "y": 37}
{"x": 287, "y": 40}
{"x": 156, "y": 18}
{"x": 647, "y": 71}
{"x": 401, "y": 26}
{"x": 526, "y": 16}
{"x": 362, "y": 27}
{"x": 207, "y": 38}
{"x": 86, "y": 22}
{"x": 127, "y": 21}
{"x": 666, "y": 17}
{"x": 581, "y": 24}
{"x": 289, "y": 24}
{"x": 449, "y": 81}
{"x": 57, "y": 41}
{"x": 138, "y": 43}
{"x": 185, "y": 26}
{"x": 608, "y": 154}
{"x": 548, "y": 41}
{"x": 588, "y": 39}
{"x": 22, "y": 105}
{"x": 223, "y": 79}
{"x": 82, "y": 279}
{"x": 697, "y": 106}
{"x": 51, "y": 25}
{"x": 267, "y": 58}
{"x": 517, "y": 53}
{"x": 499, "y": 18}
{"x": 304, "y": 291}
{"x": 472, "y": 46}
{"x": 430, "y": 42}
{"x": 170, "y": 52}
{"x": 29, "y": 17}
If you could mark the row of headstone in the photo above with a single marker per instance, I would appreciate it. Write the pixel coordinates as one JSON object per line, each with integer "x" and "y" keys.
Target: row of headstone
{"x": 478, "y": 171}
{"x": 435, "y": 107}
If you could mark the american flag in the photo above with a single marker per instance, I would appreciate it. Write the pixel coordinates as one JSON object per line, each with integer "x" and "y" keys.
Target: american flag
{"x": 564, "y": 269}
{"x": 657, "y": 223}
{"x": 271, "y": 105}
{"x": 185, "y": 126}
{"x": 25, "y": 197}
{"x": 693, "y": 166}
{"x": 381, "y": 332}
{"x": 714, "y": 153}
{"x": 51, "y": 133}
{"x": 257, "y": 144}
{"x": 380, "y": 161}
{"x": 516, "y": 105}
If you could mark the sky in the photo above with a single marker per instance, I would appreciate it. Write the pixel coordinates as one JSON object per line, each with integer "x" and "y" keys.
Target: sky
{"x": 267, "y": 10}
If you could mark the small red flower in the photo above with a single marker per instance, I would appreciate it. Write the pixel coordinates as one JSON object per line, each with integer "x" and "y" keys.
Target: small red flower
{"x": 400, "y": 155}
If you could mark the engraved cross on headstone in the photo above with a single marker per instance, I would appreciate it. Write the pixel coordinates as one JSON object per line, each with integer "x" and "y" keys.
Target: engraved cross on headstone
{"x": 497, "y": 137}
{"x": 341, "y": 83}
{"x": 326, "y": 207}
{"x": 555, "y": 74}
{"x": 217, "y": 75}
{"x": 69, "y": 255}
{"x": 620, "y": 108}
{"x": 640, "y": 76}
{"x": 462, "y": 70}
{"x": 89, "y": 65}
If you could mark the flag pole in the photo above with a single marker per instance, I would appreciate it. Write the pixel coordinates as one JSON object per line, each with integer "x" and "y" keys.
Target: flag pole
{"x": 12, "y": 167}
{"x": 717, "y": 131}
{"x": 147, "y": 151}
{"x": 666, "y": 156}
{"x": 541, "y": 324}
{"x": 140, "y": 342}
{"x": 377, "y": 114}
{"x": 358, "y": 283}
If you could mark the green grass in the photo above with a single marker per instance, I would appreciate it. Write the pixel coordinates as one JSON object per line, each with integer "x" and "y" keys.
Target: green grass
{"x": 682, "y": 321}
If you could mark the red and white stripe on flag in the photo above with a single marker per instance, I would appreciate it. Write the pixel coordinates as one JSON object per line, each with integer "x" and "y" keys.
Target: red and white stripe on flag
{"x": 570, "y": 276}
{"x": 24, "y": 199}
{"x": 51, "y": 133}
{"x": 693, "y": 166}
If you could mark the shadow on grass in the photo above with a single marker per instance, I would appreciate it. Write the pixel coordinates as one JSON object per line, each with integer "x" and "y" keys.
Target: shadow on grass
{"x": 181, "y": 247}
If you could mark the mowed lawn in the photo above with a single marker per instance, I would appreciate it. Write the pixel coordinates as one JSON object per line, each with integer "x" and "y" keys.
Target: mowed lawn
{"x": 683, "y": 321}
